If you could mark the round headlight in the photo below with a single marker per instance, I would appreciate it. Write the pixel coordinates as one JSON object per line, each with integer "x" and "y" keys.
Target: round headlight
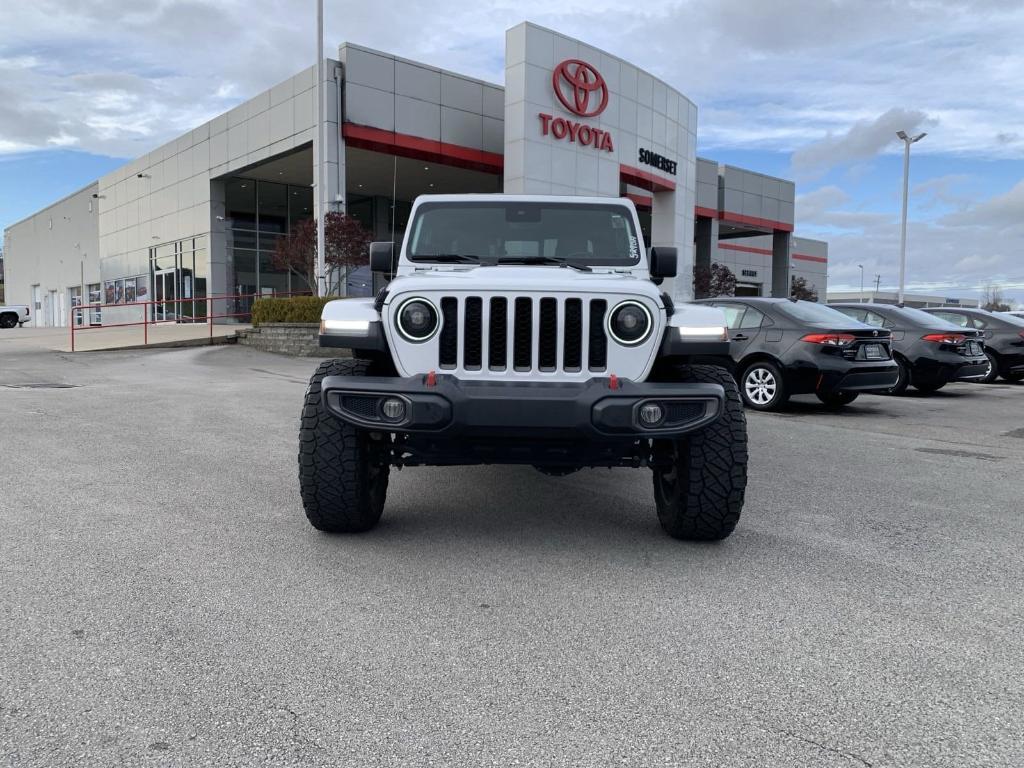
{"x": 417, "y": 319}
{"x": 630, "y": 323}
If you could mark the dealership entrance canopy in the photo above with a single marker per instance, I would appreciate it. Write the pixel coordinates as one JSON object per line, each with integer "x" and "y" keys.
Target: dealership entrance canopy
{"x": 201, "y": 215}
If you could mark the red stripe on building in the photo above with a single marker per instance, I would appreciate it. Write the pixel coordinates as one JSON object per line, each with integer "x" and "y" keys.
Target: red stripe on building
{"x": 646, "y": 180}
{"x": 417, "y": 148}
{"x": 768, "y": 252}
{"x": 754, "y": 221}
{"x": 708, "y": 213}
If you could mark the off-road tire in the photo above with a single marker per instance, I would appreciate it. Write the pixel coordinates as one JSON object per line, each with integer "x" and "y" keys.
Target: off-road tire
{"x": 699, "y": 493}
{"x": 343, "y": 475}
{"x": 8, "y": 320}
{"x": 993, "y": 371}
{"x": 836, "y": 399}
{"x": 770, "y": 378}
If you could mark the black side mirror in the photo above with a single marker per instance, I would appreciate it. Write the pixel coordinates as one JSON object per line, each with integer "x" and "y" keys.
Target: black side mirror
{"x": 382, "y": 257}
{"x": 664, "y": 261}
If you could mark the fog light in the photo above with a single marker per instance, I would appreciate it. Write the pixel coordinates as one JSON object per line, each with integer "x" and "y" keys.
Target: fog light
{"x": 393, "y": 409}
{"x": 651, "y": 414}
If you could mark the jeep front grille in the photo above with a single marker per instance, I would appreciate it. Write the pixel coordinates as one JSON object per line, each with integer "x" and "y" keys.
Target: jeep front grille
{"x": 546, "y": 334}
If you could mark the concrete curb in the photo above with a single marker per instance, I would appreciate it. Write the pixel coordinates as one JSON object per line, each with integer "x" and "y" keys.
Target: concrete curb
{"x": 203, "y": 342}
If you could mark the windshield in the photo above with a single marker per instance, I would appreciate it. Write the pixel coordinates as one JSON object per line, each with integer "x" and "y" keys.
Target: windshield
{"x": 595, "y": 235}
{"x": 811, "y": 312}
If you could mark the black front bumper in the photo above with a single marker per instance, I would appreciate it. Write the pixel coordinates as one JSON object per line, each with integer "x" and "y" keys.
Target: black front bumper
{"x": 598, "y": 408}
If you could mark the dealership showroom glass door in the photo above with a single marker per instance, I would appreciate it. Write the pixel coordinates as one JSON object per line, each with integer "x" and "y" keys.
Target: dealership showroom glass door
{"x": 165, "y": 291}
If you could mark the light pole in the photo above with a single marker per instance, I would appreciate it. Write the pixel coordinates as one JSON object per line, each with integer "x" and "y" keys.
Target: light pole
{"x": 907, "y": 141}
{"x": 874, "y": 294}
{"x": 860, "y": 299}
{"x": 318, "y": 151}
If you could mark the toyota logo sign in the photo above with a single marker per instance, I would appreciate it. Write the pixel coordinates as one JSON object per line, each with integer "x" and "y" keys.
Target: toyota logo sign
{"x": 580, "y": 88}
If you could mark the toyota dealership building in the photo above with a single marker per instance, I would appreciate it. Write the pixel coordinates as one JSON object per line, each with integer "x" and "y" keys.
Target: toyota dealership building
{"x": 201, "y": 215}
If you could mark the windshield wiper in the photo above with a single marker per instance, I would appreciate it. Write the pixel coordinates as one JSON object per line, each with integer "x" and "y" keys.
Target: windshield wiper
{"x": 545, "y": 260}
{"x": 453, "y": 258}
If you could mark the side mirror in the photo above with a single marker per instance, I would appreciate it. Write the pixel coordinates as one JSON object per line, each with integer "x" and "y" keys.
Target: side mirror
{"x": 664, "y": 261}
{"x": 382, "y": 257}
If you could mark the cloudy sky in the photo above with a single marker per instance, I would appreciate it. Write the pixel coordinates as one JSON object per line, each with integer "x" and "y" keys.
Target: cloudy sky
{"x": 812, "y": 90}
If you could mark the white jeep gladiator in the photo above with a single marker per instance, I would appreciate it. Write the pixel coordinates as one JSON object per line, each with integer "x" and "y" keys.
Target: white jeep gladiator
{"x": 13, "y": 314}
{"x": 524, "y": 330}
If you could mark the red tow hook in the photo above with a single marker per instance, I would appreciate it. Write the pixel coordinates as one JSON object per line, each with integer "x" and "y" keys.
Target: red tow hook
{"x": 431, "y": 379}
{"x": 613, "y": 382}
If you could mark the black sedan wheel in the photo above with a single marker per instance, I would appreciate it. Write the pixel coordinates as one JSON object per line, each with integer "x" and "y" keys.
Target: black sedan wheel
{"x": 762, "y": 387}
{"x": 902, "y": 382}
{"x": 993, "y": 368}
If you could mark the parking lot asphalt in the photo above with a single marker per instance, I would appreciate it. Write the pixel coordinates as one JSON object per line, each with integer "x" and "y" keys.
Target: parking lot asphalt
{"x": 164, "y": 601}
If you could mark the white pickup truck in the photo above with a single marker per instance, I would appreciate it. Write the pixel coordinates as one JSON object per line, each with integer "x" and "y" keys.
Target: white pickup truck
{"x": 15, "y": 314}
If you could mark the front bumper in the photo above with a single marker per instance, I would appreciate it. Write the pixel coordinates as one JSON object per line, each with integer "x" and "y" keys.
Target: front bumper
{"x": 598, "y": 408}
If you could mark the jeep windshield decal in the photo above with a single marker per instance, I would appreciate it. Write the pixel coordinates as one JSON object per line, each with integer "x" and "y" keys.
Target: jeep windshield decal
{"x": 509, "y": 232}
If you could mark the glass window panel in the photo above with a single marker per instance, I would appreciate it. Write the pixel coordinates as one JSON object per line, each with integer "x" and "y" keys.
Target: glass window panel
{"x": 272, "y": 201}
{"x": 751, "y": 318}
{"x": 300, "y": 205}
{"x": 271, "y": 280}
{"x": 241, "y": 238}
{"x": 240, "y": 203}
{"x": 244, "y": 272}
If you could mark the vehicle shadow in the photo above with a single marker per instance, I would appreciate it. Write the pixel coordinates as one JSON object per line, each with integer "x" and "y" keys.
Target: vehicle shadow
{"x": 604, "y": 513}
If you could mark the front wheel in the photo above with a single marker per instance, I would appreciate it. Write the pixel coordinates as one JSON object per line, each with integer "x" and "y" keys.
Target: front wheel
{"x": 700, "y": 479}
{"x": 762, "y": 387}
{"x": 8, "y": 321}
{"x": 343, "y": 471}
{"x": 836, "y": 399}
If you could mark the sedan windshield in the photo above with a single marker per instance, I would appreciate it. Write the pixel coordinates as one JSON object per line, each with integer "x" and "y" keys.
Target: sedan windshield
{"x": 506, "y": 232}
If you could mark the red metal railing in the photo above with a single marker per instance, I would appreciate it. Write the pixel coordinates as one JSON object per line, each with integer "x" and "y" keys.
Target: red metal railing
{"x": 152, "y": 311}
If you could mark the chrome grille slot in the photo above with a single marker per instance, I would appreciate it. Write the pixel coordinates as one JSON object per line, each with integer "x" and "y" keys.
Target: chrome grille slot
{"x": 598, "y": 353}
{"x": 497, "y": 335}
{"x": 522, "y": 352}
{"x": 572, "y": 351}
{"x": 449, "y": 352}
{"x": 472, "y": 340}
{"x": 547, "y": 343}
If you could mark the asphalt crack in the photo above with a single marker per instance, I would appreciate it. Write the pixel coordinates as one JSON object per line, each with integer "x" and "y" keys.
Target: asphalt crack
{"x": 961, "y": 454}
{"x": 824, "y": 747}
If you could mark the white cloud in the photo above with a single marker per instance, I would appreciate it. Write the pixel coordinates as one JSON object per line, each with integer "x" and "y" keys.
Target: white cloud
{"x": 864, "y": 140}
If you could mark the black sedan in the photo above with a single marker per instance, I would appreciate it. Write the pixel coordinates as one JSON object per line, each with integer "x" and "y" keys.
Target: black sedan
{"x": 929, "y": 351}
{"x": 1003, "y": 334}
{"x": 783, "y": 347}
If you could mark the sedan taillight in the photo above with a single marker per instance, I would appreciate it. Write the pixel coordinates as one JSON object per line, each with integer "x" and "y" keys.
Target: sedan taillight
{"x": 945, "y": 338}
{"x": 830, "y": 339}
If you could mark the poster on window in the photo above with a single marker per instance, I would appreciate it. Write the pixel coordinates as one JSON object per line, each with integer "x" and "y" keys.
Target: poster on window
{"x": 108, "y": 290}
{"x": 140, "y": 289}
{"x": 129, "y": 291}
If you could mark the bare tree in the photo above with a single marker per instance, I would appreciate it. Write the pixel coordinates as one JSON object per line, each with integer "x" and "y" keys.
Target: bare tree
{"x": 347, "y": 245}
{"x": 992, "y": 299}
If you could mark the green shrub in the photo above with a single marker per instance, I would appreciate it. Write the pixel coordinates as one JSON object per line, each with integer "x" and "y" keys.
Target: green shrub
{"x": 294, "y": 309}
